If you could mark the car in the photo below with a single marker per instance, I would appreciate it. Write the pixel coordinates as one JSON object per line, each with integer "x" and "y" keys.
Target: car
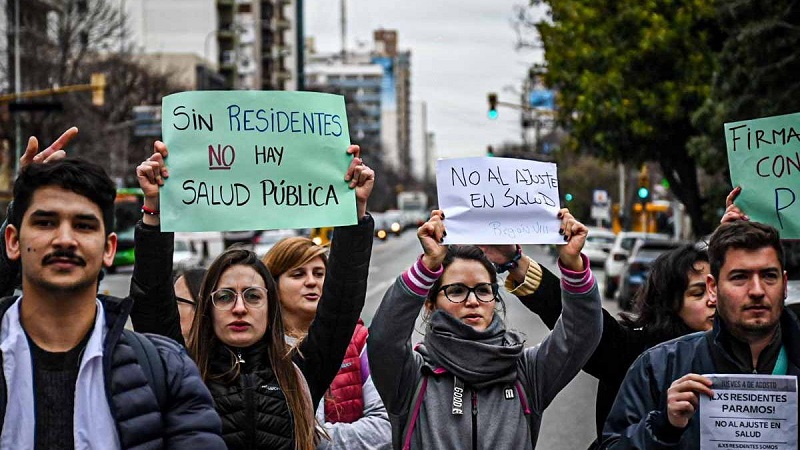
{"x": 244, "y": 238}
{"x": 615, "y": 261}
{"x": 598, "y": 244}
{"x": 381, "y": 225}
{"x": 395, "y": 221}
{"x": 266, "y": 239}
{"x": 637, "y": 267}
{"x": 185, "y": 255}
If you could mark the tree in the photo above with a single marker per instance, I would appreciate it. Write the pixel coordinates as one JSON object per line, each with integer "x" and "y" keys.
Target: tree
{"x": 629, "y": 75}
{"x": 62, "y": 43}
{"x": 757, "y": 75}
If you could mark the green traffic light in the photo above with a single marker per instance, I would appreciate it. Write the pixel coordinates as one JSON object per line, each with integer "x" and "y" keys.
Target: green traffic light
{"x": 643, "y": 192}
{"x": 568, "y": 197}
{"x": 493, "y": 114}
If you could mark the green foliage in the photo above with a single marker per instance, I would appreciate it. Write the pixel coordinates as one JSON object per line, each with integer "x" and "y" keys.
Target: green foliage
{"x": 757, "y": 76}
{"x": 629, "y": 74}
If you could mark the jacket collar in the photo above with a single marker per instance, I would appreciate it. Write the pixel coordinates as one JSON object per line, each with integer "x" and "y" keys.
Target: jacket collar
{"x": 724, "y": 355}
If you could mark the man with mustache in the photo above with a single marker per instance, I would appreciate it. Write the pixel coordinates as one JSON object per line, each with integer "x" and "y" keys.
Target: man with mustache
{"x": 71, "y": 377}
{"x": 657, "y": 404}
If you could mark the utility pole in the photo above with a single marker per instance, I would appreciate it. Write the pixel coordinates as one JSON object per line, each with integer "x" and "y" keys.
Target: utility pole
{"x": 344, "y": 30}
{"x": 17, "y": 88}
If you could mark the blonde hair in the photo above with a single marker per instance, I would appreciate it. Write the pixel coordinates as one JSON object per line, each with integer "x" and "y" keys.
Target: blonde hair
{"x": 292, "y": 252}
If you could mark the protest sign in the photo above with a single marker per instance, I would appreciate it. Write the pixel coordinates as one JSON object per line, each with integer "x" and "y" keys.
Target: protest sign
{"x": 251, "y": 160}
{"x": 499, "y": 201}
{"x": 749, "y": 412}
{"x": 764, "y": 159}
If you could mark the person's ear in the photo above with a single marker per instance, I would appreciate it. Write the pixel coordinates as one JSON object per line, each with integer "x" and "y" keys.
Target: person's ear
{"x": 11, "y": 235}
{"x": 110, "y": 250}
{"x": 711, "y": 288}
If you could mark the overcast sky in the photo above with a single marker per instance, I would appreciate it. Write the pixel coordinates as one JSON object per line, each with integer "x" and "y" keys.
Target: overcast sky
{"x": 461, "y": 50}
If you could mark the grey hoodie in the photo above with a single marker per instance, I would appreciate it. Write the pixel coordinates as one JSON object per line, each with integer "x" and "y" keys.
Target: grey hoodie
{"x": 499, "y": 421}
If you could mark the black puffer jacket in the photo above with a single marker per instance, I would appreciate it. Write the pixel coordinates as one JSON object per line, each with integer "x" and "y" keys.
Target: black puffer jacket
{"x": 187, "y": 421}
{"x": 255, "y": 393}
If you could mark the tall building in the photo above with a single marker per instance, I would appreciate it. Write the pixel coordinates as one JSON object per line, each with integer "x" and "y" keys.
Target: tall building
{"x": 379, "y": 82}
{"x": 361, "y": 84}
{"x": 250, "y": 43}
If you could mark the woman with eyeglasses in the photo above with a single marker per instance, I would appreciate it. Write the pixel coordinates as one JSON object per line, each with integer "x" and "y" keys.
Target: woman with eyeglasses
{"x": 264, "y": 391}
{"x": 472, "y": 383}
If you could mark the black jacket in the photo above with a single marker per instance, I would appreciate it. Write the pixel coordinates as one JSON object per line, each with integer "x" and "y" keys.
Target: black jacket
{"x": 254, "y": 394}
{"x": 618, "y": 349}
{"x": 638, "y": 417}
{"x": 188, "y": 421}
{"x": 321, "y": 352}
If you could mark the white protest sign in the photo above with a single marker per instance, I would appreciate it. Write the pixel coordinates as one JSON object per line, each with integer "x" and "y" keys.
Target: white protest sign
{"x": 749, "y": 412}
{"x": 492, "y": 200}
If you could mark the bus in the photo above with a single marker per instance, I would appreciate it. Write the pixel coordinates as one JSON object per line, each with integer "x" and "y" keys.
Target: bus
{"x": 127, "y": 212}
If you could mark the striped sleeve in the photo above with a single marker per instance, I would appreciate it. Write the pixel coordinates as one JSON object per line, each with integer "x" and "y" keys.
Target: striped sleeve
{"x": 419, "y": 279}
{"x": 577, "y": 282}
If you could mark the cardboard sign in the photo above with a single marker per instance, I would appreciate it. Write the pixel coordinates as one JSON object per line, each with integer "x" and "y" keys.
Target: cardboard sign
{"x": 491, "y": 200}
{"x": 764, "y": 159}
{"x": 749, "y": 411}
{"x": 251, "y": 160}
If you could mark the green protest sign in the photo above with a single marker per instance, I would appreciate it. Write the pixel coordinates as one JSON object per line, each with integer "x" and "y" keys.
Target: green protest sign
{"x": 764, "y": 159}
{"x": 250, "y": 160}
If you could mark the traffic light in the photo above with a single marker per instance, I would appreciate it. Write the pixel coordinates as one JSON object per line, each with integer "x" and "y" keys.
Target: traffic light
{"x": 492, "y": 105}
{"x": 490, "y": 151}
{"x": 644, "y": 185}
{"x": 98, "y": 83}
{"x": 568, "y": 197}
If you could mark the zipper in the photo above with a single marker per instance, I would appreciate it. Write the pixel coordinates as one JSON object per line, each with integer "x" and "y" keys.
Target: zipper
{"x": 474, "y": 420}
{"x": 248, "y": 390}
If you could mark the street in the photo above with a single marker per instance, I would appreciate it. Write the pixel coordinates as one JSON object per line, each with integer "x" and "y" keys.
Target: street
{"x": 568, "y": 422}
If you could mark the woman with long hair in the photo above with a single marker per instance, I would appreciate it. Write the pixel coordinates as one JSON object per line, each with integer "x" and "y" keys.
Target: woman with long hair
{"x": 187, "y": 291}
{"x": 672, "y": 302}
{"x": 264, "y": 390}
{"x": 352, "y": 413}
{"x": 472, "y": 383}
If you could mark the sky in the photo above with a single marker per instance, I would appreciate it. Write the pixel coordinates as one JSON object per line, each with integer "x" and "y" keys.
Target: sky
{"x": 460, "y": 51}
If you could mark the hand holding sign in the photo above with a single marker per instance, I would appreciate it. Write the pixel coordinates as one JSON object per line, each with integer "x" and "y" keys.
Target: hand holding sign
{"x": 430, "y": 236}
{"x": 575, "y": 234}
{"x": 360, "y": 177}
{"x": 732, "y": 211}
{"x": 683, "y": 400}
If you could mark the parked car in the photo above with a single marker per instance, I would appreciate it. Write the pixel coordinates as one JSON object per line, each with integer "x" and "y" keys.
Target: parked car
{"x": 598, "y": 245}
{"x": 637, "y": 268}
{"x": 615, "y": 261}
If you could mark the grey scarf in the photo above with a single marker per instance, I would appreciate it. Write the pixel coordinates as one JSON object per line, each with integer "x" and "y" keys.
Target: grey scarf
{"x": 479, "y": 358}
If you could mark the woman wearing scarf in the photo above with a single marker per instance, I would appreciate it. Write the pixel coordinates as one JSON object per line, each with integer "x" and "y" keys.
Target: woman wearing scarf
{"x": 471, "y": 383}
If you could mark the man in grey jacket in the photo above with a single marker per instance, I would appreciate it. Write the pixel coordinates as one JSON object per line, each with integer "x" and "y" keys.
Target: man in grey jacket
{"x": 471, "y": 380}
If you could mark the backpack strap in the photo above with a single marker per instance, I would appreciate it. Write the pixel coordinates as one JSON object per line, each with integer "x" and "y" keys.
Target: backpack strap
{"x": 151, "y": 363}
{"x": 416, "y": 405}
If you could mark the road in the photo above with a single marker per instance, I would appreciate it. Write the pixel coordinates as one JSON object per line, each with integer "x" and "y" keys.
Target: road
{"x": 568, "y": 422}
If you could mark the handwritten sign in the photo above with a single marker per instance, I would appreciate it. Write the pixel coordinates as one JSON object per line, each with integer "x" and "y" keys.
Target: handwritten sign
{"x": 250, "y": 160}
{"x": 749, "y": 411}
{"x": 499, "y": 201}
{"x": 764, "y": 159}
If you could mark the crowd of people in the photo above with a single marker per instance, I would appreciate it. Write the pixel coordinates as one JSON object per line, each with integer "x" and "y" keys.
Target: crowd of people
{"x": 269, "y": 351}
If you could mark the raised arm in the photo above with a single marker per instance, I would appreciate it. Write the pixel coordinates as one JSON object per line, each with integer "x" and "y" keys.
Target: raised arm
{"x": 552, "y": 364}
{"x": 395, "y": 366}
{"x": 154, "y": 308}
{"x": 344, "y": 291}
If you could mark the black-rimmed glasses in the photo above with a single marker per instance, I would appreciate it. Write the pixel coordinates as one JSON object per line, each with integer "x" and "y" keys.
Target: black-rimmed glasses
{"x": 253, "y": 297}
{"x": 459, "y": 292}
